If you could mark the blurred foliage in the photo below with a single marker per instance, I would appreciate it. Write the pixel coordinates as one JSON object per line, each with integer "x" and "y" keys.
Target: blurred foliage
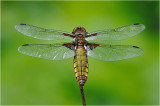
{"x": 32, "y": 81}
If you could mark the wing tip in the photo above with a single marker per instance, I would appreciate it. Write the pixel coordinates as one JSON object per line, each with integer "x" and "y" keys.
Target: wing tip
{"x": 22, "y": 24}
{"x": 17, "y": 26}
{"x": 136, "y": 24}
{"x": 141, "y": 25}
{"x": 139, "y": 49}
{"x": 25, "y": 45}
{"x": 19, "y": 49}
{"x": 135, "y": 46}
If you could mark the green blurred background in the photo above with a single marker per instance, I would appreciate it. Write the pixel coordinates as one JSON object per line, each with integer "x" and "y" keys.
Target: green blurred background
{"x": 33, "y": 81}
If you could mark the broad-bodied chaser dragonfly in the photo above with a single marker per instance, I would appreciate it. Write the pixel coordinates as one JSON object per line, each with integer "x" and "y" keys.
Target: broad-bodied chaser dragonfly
{"x": 79, "y": 47}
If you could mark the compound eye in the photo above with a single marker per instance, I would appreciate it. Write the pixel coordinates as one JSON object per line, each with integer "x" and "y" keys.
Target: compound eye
{"x": 73, "y": 32}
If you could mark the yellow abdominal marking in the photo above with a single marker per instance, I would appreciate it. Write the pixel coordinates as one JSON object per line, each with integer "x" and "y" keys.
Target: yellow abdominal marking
{"x": 81, "y": 65}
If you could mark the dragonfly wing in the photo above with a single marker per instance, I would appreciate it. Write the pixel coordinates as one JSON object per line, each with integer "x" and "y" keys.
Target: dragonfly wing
{"x": 113, "y": 52}
{"x": 41, "y": 33}
{"x": 47, "y": 51}
{"x": 118, "y": 33}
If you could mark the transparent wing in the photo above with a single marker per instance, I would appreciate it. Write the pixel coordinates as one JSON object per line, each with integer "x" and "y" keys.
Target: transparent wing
{"x": 41, "y": 33}
{"x": 114, "y": 52}
{"x": 47, "y": 51}
{"x": 118, "y": 33}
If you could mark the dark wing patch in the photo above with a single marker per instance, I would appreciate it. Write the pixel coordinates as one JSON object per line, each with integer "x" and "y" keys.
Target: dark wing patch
{"x": 69, "y": 45}
{"x": 91, "y": 46}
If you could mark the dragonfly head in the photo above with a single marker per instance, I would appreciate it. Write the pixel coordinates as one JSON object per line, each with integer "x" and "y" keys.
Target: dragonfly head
{"x": 79, "y": 30}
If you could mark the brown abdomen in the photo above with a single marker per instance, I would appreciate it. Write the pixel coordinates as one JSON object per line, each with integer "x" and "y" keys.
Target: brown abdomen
{"x": 81, "y": 65}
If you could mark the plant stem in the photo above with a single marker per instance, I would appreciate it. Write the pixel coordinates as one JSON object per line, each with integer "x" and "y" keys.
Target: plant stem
{"x": 82, "y": 95}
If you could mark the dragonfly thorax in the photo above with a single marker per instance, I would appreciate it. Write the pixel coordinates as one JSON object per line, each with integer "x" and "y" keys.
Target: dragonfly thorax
{"x": 79, "y": 41}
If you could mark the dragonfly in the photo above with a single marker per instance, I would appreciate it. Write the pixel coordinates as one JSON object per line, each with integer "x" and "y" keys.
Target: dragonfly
{"x": 79, "y": 46}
